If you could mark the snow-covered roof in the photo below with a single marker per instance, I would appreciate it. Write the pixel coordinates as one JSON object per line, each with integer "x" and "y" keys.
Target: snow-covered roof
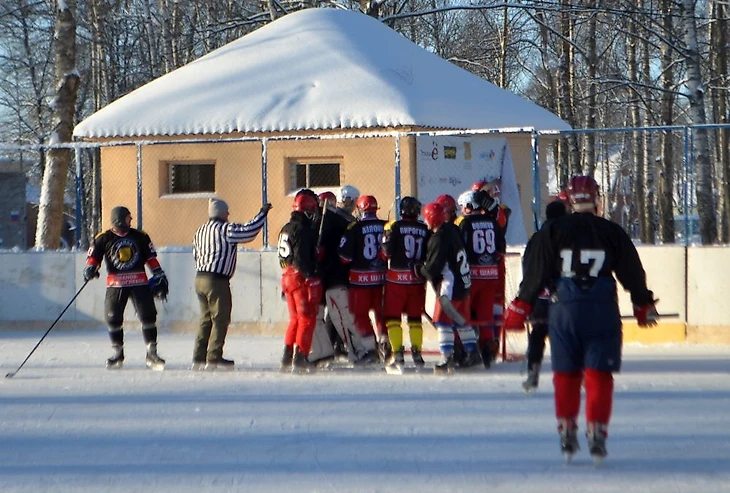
{"x": 312, "y": 70}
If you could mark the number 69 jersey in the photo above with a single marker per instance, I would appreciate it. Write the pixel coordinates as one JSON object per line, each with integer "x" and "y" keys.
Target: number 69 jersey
{"x": 360, "y": 248}
{"x": 485, "y": 243}
{"x": 583, "y": 247}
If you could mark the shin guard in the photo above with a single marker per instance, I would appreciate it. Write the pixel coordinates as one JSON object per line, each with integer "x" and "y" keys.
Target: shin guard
{"x": 567, "y": 394}
{"x": 599, "y": 396}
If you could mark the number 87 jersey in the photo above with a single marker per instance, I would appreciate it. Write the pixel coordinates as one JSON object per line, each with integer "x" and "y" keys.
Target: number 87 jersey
{"x": 360, "y": 248}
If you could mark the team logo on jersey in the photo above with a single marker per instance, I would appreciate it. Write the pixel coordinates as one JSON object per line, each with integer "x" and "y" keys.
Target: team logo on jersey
{"x": 124, "y": 254}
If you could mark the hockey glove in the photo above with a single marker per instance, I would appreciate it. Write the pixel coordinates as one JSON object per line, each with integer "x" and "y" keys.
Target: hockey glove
{"x": 159, "y": 285}
{"x": 314, "y": 289}
{"x": 90, "y": 272}
{"x": 517, "y": 312}
{"x": 646, "y": 314}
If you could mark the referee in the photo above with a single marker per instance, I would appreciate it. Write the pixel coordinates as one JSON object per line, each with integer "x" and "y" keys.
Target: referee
{"x": 214, "y": 248}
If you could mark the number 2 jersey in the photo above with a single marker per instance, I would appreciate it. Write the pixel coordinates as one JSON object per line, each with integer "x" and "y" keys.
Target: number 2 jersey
{"x": 485, "y": 243}
{"x": 446, "y": 265}
{"x": 404, "y": 244}
{"x": 360, "y": 247}
{"x": 582, "y": 247}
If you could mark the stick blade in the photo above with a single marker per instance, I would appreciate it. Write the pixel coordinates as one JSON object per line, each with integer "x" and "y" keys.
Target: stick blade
{"x": 10, "y": 375}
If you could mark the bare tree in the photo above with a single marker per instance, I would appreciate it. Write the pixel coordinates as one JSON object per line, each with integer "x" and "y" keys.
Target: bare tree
{"x": 50, "y": 209}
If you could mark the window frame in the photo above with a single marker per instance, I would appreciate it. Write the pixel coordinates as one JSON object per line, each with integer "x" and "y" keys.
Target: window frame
{"x": 170, "y": 170}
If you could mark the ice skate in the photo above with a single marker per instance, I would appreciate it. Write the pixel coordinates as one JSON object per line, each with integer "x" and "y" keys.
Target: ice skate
{"x": 472, "y": 361}
{"x": 385, "y": 350}
{"x": 370, "y": 358}
{"x": 417, "y": 357}
{"x": 286, "y": 359}
{"x": 300, "y": 363}
{"x": 533, "y": 377}
{"x": 568, "y": 439}
{"x": 153, "y": 360}
{"x": 596, "y": 435}
{"x": 197, "y": 366}
{"x": 396, "y": 363}
{"x": 220, "y": 364}
{"x": 446, "y": 365}
{"x": 117, "y": 360}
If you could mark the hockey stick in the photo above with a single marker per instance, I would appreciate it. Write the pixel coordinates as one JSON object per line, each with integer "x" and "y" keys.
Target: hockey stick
{"x": 12, "y": 373}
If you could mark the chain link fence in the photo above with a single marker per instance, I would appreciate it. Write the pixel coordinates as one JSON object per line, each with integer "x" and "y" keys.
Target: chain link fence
{"x": 646, "y": 174}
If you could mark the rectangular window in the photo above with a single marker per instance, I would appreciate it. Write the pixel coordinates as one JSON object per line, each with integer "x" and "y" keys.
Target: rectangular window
{"x": 191, "y": 177}
{"x": 313, "y": 175}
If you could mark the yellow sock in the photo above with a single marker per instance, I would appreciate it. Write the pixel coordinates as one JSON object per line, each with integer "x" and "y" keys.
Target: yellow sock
{"x": 415, "y": 330}
{"x": 395, "y": 334}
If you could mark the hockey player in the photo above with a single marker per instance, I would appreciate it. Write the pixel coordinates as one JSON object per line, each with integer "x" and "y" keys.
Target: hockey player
{"x": 343, "y": 336}
{"x": 125, "y": 252}
{"x": 484, "y": 240}
{"x": 539, "y": 315}
{"x": 448, "y": 203}
{"x": 360, "y": 248}
{"x": 576, "y": 256}
{"x": 447, "y": 269}
{"x": 302, "y": 288}
{"x": 404, "y": 245}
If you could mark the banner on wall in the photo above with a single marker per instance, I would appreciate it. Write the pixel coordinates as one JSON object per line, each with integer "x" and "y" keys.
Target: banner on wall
{"x": 449, "y": 165}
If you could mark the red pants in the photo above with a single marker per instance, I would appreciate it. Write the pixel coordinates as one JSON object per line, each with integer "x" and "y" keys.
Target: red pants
{"x": 362, "y": 300}
{"x": 483, "y": 295}
{"x": 461, "y": 306}
{"x": 302, "y": 302}
{"x": 404, "y": 298}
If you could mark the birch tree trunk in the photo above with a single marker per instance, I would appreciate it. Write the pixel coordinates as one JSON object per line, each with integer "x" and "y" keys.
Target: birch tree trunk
{"x": 696, "y": 88}
{"x": 50, "y": 209}
{"x": 590, "y": 138}
{"x": 665, "y": 189}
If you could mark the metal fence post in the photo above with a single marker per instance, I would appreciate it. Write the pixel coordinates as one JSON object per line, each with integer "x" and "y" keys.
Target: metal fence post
{"x": 139, "y": 186}
{"x": 536, "y": 206}
{"x": 264, "y": 191}
{"x": 397, "y": 190}
{"x": 79, "y": 195}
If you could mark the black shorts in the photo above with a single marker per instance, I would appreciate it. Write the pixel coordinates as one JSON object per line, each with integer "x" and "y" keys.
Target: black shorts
{"x": 116, "y": 301}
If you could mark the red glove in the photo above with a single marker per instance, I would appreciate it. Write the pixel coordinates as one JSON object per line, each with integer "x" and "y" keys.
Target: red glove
{"x": 314, "y": 289}
{"x": 517, "y": 312}
{"x": 646, "y": 315}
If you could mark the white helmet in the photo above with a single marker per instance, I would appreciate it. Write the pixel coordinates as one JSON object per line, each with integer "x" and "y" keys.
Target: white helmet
{"x": 468, "y": 200}
{"x": 348, "y": 192}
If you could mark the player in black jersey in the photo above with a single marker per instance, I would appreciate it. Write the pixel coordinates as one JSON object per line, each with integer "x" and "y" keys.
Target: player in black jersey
{"x": 447, "y": 269}
{"x": 404, "y": 245}
{"x": 297, "y": 247}
{"x": 539, "y": 316}
{"x": 485, "y": 244}
{"x": 125, "y": 252}
{"x": 576, "y": 256}
{"x": 360, "y": 249}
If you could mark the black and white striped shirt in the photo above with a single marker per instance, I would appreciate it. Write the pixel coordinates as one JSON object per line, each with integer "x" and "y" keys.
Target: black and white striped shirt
{"x": 215, "y": 242}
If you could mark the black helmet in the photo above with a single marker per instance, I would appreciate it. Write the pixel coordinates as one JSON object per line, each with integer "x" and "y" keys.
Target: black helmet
{"x": 119, "y": 218}
{"x": 410, "y": 207}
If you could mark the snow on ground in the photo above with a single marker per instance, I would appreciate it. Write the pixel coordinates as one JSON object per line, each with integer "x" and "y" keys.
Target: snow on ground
{"x": 69, "y": 425}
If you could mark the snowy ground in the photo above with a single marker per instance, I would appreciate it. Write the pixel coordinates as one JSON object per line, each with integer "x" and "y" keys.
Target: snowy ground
{"x": 69, "y": 425}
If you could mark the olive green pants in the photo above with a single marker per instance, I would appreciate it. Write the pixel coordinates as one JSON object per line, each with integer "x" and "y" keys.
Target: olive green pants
{"x": 214, "y": 295}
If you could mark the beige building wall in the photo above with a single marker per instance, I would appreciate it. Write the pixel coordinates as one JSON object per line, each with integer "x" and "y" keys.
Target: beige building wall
{"x": 367, "y": 163}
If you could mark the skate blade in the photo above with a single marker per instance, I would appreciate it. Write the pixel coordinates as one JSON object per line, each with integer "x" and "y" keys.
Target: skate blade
{"x": 529, "y": 389}
{"x": 156, "y": 366}
{"x": 115, "y": 366}
{"x": 568, "y": 456}
{"x": 394, "y": 370}
{"x": 216, "y": 367}
{"x": 598, "y": 460}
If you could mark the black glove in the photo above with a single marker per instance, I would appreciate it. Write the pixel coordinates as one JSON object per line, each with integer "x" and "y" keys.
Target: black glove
{"x": 90, "y": 272}
{"x": 159, "y": 285}
{"x": 266, "y": 208}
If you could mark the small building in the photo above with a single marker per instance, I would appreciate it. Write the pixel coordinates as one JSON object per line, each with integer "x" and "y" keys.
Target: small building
{"x": 240, "y": 124}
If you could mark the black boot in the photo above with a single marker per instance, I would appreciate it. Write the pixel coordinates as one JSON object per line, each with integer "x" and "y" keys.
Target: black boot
{"x": 300, "y": 363}
{"x": 286, "y": 359}
{"x": 153, "y": 360}
{"x": 117, "y": 359}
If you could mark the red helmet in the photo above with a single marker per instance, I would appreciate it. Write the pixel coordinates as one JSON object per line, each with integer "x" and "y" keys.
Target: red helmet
{"x": 328, "y": 197}
{"x": 563, "y": 196}
{"x": 479, "y": 185}
{"x": 448, "y": 204}
{"x": 582, "y": 190}
{"x": 305, "y": 204}
{"x": 434, "y": 215}
{"x": 367, "y": 204}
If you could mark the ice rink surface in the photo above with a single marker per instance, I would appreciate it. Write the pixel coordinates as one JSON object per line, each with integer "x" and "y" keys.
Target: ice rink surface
{"x": 69, "y": 425}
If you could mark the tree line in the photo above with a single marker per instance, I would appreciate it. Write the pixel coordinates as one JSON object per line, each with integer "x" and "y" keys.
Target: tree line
{"x": 633, "y": 64}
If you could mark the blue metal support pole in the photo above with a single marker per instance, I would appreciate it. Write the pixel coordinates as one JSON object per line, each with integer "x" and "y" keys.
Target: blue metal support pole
{"x": 397, "y": 190}
{"x": 79, "y": 195}
{"x": 264, "y": 190}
